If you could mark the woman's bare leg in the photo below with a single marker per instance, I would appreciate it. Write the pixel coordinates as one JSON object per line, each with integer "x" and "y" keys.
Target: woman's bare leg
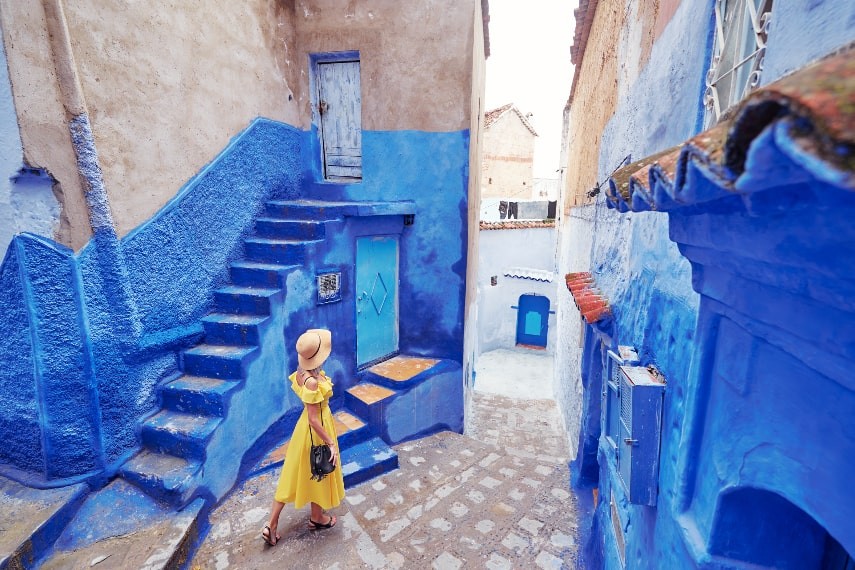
{"x": 273, "y": 523}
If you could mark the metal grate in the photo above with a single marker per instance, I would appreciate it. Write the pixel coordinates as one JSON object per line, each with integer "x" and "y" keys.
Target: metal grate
{"x": 329, "y": 287}
{"x": 741, "y": 30}
{"x": 626, "y": 403}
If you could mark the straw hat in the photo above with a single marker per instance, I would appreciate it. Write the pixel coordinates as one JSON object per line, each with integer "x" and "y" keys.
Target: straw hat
{"x": 313, "y": 347}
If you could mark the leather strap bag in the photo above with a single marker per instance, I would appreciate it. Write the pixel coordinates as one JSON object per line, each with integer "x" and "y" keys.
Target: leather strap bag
{"x": 320, "y": 456}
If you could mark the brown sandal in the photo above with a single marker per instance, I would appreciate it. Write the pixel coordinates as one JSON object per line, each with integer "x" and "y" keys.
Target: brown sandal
{"x": 268, "y": 536}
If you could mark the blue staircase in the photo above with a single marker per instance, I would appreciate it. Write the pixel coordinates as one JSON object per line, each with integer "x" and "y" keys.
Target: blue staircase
{"x": 176, "y": 440}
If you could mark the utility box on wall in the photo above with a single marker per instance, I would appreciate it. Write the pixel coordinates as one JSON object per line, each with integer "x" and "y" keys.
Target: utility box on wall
{"x": 625, "y": 356}
{"x": 641, "y": 398}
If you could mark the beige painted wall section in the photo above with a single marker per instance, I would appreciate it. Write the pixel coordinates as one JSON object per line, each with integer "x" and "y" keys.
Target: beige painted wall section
{"x": 506, "y": 170}
{"x": 600, "y": 82}
{"x": 166, "y": 86}
{"x": 476, "y": 140}
{"x": 41, "y": 116}
{"x": 415, "y": 73}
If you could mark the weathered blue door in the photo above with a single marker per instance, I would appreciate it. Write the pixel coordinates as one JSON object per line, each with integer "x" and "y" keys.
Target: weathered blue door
{"x": 340, "y": 108}
{"x": 532, "y": 320}
{"x": 376, "y": 298}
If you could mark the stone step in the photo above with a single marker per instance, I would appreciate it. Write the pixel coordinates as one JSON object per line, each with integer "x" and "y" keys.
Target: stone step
{"x": 303, "y": 210}
{"x": 198, "y": 395}
{"x": 179, "y": 434}
{"x": 279, "y": 251}
{"x": 121, "y": 527}
{"x": 238, "y": 299}
{"x": 259, "y": 274}
{"x": 232, "y": 329}
{"x": 278, "y": 228}
{"x": 217, "y": 361}
{"x": 369, "y": 401}
{"x": 402, "y": 371}
{"x": 367, "y": 460}
{"x": 350, "y": 429}
{"x": 163, "y": 476}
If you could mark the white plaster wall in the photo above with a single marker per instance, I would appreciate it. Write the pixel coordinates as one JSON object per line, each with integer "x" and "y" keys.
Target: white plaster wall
{"x": 27, "y": 204}
{"x": 575, "y": 238}
{"x": 532, "y": 248}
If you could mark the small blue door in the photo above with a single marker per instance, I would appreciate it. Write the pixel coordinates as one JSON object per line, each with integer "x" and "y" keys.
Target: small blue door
{"x": 533, "y": 320}
{"x": 376, "y": 298}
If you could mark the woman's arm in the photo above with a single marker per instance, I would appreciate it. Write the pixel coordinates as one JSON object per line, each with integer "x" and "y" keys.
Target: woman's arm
{"x": 314, "y": 412}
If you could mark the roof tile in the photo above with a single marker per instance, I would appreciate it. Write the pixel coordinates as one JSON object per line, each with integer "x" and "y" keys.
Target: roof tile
{"x": 591, "y": 303}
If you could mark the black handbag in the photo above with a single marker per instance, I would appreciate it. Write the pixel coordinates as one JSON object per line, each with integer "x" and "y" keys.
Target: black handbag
{"x": 320, "y": 456}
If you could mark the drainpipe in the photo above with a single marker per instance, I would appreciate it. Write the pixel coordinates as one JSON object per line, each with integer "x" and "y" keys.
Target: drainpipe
{"x": 114, "y": 284}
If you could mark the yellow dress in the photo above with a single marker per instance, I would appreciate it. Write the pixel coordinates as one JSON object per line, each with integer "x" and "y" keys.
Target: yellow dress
{"x": 295, "y": 483}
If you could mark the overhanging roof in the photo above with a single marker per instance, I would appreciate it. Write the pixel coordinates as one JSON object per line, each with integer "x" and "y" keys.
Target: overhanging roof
{"x": 809, "y": 116}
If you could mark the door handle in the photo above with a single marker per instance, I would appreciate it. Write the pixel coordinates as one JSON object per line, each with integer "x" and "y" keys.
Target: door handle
{"x": 630, "y": 441}
{"x": 322, "y": 107}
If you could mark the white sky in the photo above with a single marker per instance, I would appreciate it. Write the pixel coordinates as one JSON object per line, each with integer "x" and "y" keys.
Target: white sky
{"x": 529, "y": 65}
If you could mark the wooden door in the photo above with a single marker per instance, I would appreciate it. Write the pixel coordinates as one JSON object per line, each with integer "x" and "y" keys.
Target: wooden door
{"x": 340, "y": 109}
{"x": 376, "y": 298}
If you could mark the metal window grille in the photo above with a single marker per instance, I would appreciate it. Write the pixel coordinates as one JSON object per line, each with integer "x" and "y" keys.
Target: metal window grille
{"x": 329, "y": 287}
{"x": 741, "y": 30}
{"x": 626, "y": 404}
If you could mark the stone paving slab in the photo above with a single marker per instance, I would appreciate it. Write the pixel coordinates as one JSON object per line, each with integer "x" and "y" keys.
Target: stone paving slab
{"x": 497, "y": 500}
{"x": 120, "y": 527}
{"x": 27, "y": 515}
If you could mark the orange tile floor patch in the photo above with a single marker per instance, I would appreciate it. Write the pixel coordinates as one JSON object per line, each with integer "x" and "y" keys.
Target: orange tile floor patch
{"x": 370, "y": 393}
{"x": 402, "y": 368}
{"x": 276, "y": 455}
{"x": 345, "y": 422}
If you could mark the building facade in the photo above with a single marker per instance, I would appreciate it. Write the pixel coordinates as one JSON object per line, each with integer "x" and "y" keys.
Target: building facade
{"x": 708, "y": 184}
{"x": 208, "y": 183}
{"x": 508, "y": 160}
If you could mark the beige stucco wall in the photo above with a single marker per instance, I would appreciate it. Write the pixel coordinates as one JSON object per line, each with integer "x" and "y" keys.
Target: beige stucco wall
{"x": 166, "y": 85}
{"x": 506, "y": 170}
{"x": 621, "y": 31}
{"x": 412, "y": 72}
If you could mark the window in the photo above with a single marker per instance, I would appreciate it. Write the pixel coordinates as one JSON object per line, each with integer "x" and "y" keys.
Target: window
{"x": 741, "y": 30}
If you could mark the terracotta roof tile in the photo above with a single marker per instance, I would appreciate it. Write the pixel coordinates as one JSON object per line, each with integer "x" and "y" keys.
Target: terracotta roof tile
{"x": 593, "y": 306}
{"x": 490, "y": 117}
{"x": 517, "y": 225}
{"x": 810, "y": 113}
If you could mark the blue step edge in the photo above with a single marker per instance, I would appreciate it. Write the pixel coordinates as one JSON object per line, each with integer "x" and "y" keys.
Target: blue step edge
{"x": 367, "y": 460}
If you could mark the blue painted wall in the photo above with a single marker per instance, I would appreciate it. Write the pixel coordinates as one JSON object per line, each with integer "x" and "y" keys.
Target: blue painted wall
{"x": 100, "y": 330}
{"x": 432, "y": 170}
{"x": 749, "y": 316}
{"x": 103, "y": 329}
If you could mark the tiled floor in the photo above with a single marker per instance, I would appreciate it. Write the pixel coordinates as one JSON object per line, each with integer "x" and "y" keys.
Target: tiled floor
{"x": 495, "y": 498}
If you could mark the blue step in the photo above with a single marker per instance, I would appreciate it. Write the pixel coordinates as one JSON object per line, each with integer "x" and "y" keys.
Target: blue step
{"x": 351, "y": 429}
{"x": 217, "y": 361}
{"x": 165, "y": 477}
{"x": 259, "y": 274}
{"x": 179, "y": 434}
{"x": 369, "y": 402}
{"x": 197, "y": 395}
{"x": 276, "y": 250}
{"x": 242, "y": 299}
{"x": 367, "y": 460}
{"x": 315, "y": 211}
{"x": 289, "y": 229}
{"x": 223, "y": 328}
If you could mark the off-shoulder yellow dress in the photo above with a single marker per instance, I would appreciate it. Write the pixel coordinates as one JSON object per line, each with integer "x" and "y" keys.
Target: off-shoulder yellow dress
{"x": 295, "y": 483}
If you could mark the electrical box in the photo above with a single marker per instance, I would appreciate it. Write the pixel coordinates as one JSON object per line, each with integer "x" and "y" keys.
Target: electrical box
{"x": 625, "y": 356}
{"x": 640, "y": 428}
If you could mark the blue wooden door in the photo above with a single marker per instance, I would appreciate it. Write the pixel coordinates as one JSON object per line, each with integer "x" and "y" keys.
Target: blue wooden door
{"x": 533, "y": 320}
{"x": 340, "y": 107}
{"x": 376, "y": 298}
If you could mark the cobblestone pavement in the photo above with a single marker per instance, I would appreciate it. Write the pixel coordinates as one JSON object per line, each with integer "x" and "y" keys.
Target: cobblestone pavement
{"x": 496, "y": 498}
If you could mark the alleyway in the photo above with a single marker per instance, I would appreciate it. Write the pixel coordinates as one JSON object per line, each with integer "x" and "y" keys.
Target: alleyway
{"x": 495, "y": 498}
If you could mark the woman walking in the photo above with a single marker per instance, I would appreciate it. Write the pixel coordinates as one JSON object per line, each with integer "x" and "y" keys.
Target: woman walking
{"x": 296, "y": 484}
